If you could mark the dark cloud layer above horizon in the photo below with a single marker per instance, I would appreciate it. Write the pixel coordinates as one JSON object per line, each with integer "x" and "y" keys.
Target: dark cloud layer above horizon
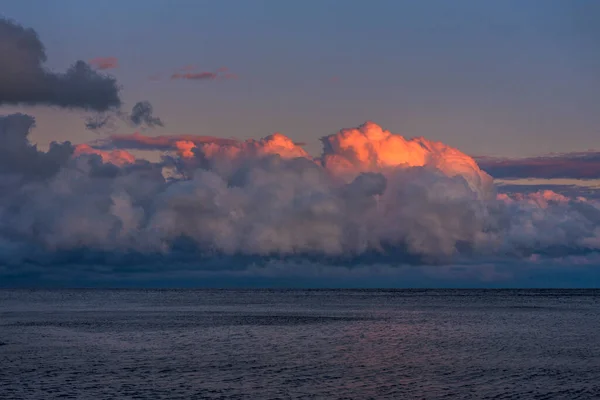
{"x": 25, "y": 80}
{"x": 576, "y": 165}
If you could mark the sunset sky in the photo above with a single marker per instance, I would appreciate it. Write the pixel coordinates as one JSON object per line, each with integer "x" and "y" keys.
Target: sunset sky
{"x": 509, "y": 78}
{"x": 513, "y": 84}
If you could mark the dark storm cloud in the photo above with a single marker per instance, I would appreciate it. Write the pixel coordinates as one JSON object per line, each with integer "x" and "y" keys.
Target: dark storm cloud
{"x": 25, "y": 80}
{"x": 578, "y": 165}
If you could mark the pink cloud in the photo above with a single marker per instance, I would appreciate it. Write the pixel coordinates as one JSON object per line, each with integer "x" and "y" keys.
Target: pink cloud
{"x": 187, "y": 72}
{"x": 103, "y": 63}
{"x": 117, "y": 157}
{"x": 137, "y": 141}
{"x": 195, "y": 75}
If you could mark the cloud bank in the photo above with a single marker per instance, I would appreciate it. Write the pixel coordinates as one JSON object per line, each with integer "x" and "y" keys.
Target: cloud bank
{"x": 576, "y": 165}
{"x": 25, "y": 80}
{"x": 210, "y": 204}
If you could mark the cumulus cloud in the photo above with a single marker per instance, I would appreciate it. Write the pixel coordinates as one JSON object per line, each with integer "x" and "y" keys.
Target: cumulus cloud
{"x": 577, "y": 165}
{"x": 21, "y": 161}
{"x": 371, "y": 197}
{"x": 25, "y": 80}
{"x": 103, "y": 63}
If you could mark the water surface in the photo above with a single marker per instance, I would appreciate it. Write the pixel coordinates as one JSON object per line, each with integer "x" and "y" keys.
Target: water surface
{"x": 299, "y": 344}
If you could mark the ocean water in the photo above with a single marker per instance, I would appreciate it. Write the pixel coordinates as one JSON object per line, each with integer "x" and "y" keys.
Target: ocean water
{"x": 299, "y": 344}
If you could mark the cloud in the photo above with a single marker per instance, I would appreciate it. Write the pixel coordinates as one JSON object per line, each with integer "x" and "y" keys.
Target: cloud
{"x": 371, "y": 198}
{"x": 188, "y": 74}
{"x": 571, "y": 188}
{"x": 137, "y": 141}
{"x": 195, "y": 75}
{"x": 142, "y": 115}
{"x": 371, "y": 148}
{"x": 116, "y": 157}
{"x": 21, "y": 161}
{"x": 103, "y": 63}
{"x": 25, "y": 80}
{"x": 577, "y": 165}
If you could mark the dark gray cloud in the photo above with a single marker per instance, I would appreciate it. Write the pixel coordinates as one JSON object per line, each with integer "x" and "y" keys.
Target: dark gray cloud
{"x": 22, "y": 161}
{"x": 141, "y": 116}
{"x": 577, "y": 165}
{"x": 25, "y": 80}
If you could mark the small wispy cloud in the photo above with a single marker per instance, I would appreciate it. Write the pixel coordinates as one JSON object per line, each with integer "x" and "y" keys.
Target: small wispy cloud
{"x": 103, "y": 63}
{"x": 187, "y": 72}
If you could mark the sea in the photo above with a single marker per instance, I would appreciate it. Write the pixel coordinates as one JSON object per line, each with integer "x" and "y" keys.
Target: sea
{"x": 299, "y": 344}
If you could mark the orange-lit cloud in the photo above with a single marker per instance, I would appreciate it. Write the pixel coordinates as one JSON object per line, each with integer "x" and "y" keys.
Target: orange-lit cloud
{"x": 117, "y": 157}
{"x": 103, "y": 63}
{"x": 137, "y": 141}
{"x": 183, "y": 145}
{"x": 368, "y": 148}
{"x": 185, "y": 148}
{"x": 371, "y": 148}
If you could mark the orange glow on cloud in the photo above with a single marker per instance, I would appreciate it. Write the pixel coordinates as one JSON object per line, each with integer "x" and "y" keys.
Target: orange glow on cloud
{"x": 371, "y": 148}
{"x": 272, "y": 144}
{"x": 138, "y": 141}
{"x": 117, "y": 157}
{"x": 367, "y": 148}
{"x": 185, "y": 148}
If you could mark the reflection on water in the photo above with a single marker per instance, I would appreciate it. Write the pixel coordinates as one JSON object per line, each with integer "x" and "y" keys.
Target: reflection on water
{"x": 299, "y": 344}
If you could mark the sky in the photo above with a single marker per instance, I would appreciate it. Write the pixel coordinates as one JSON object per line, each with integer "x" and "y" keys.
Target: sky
{"x": 510, "y": 88}
{"x": 510, "y": 78}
